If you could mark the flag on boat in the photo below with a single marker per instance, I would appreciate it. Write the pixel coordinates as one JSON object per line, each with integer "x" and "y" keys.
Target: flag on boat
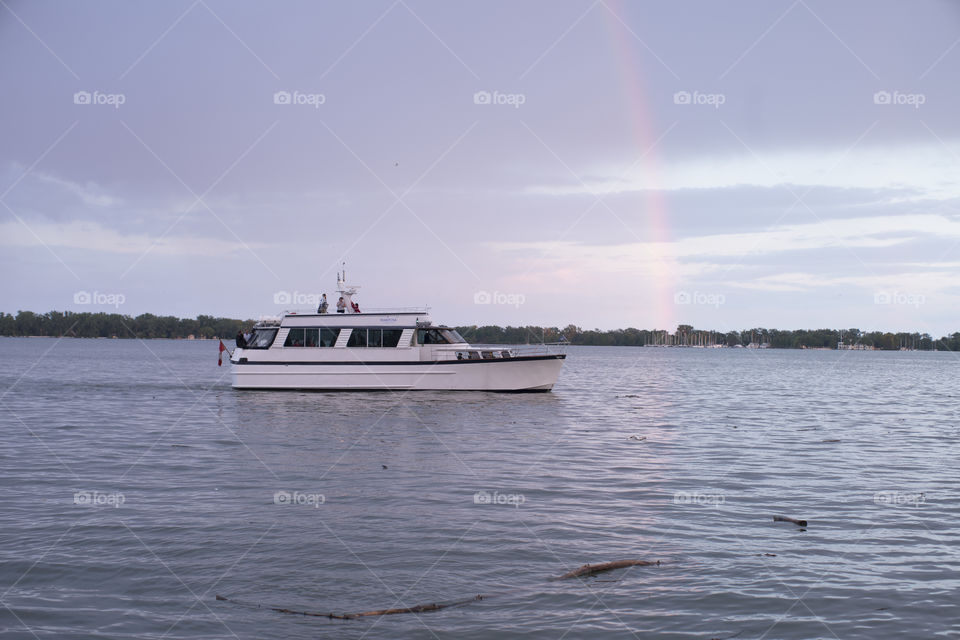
{"x": 220, "y": 355}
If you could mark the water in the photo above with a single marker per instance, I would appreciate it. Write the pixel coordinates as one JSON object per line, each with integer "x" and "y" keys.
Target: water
{"x": 676, "y": 455}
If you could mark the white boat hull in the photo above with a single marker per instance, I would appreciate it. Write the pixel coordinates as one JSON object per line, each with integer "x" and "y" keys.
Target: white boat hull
{"x": 531, "y": 373}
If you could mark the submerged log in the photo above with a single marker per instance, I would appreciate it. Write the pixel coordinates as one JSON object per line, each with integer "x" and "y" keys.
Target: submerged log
{"x": 585, "y": 570}
{"x": 433, "y": 606}
{"x": 592, "y": 569}
{"x": 420, "y": 608}
{"x": 799, "y": 523}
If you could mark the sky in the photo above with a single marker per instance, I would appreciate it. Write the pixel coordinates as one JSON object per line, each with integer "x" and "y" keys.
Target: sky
{"x": 601, "y": 163}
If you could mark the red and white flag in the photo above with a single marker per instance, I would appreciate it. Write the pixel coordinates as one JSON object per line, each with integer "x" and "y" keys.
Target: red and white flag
{"x": 220, "y": 355}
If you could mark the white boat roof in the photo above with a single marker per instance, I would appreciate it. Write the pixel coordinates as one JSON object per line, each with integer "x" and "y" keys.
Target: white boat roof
{"x": 363, "y": 319}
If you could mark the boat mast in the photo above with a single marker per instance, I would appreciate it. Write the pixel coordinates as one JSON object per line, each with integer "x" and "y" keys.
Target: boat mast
{"x": 345, "y": 291}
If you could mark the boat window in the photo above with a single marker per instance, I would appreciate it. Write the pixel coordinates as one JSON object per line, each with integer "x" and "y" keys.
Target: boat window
{"x": 452, "y": 336}
{"x": 429, "y": 336}
{"x": 311, "y": 337}
{"x": 328, "y": 337}
{"x": 358, "y": 338}
{"x": 391, "y": 337}
{"x": 294, "y": 338}
{"x": 374, "y": 337}
{"x": 438, "y": 336}
{"x": 261, "y": 338}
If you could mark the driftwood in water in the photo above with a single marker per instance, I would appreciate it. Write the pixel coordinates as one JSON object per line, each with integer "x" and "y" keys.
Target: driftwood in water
{"x": 799, "y": 523}
{"x": 420, "y": 608}
{"x": 585, "y": 570}
{"x": 592, "y": 569}
{"x": 434, "y": 606}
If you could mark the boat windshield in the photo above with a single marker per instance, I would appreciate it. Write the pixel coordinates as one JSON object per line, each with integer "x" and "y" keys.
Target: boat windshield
{"x": 452, "y": 336}
{"x": 262, "y": 338}
{"x": 439, "y": 336}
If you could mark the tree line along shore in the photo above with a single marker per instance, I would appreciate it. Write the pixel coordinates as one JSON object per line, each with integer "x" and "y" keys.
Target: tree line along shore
{"x": 115, "y": 325}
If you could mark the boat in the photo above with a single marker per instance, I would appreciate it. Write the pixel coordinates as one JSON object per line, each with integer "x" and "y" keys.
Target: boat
{"x": 383, "y": 349}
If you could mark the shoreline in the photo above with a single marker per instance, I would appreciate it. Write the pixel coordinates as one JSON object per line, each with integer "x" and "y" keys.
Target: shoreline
{"x": 628, "y": 346}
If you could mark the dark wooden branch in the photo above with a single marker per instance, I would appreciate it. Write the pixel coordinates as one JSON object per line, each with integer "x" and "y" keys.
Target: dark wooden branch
{"x": 799, "y": 523}
{"x": 592, "y": 569}
{"x": 585, "y": 570}
{"x": 420, "y": 608}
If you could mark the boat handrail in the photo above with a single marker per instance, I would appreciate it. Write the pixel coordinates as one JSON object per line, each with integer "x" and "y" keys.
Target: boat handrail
{"x": 526, "y": 349}
{"x": 396, "y": 310}
{"x": 496, "y": 351}
{"x": 368, "y": 311}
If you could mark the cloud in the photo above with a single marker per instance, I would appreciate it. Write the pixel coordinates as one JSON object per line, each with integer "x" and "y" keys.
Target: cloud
{"x": 91, "y": 236}
{"x": 843, "y": 253}
{"x": 928, "y": 169}
{"x": 924, "y": 282}
{"x": 90, "y": 193}
{"x": 863, "y": 232}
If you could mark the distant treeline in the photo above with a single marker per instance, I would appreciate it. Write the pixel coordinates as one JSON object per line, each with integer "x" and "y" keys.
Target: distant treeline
{"x": 115, "y": 325}
{"x": 689, "y": 336}
{"x": 147, "y": 325}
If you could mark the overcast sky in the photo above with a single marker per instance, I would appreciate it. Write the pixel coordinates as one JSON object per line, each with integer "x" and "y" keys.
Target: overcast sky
{"x": 607, "y": 164}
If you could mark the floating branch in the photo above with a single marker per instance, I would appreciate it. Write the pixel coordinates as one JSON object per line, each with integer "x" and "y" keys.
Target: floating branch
{"x": 592, "y": 569}
{"x": 585, "y": 570}
{"x": 799, "y": 523}
{"x": 420, "y": 608}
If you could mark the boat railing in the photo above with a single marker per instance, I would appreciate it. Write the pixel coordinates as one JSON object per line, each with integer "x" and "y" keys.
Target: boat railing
{"x": 396, "y": 310}
{"x": 497, "y": 351}
{"x": 368, "y": 310}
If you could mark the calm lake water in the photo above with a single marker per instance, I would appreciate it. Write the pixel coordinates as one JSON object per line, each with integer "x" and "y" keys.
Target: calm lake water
{"x": 137, "y": 485}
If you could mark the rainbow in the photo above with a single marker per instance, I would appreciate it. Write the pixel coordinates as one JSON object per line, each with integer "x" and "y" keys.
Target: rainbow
{"x": 654, "y": 212}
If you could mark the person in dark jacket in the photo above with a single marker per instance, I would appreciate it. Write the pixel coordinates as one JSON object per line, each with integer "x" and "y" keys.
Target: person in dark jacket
{"x": 241, "y": 341}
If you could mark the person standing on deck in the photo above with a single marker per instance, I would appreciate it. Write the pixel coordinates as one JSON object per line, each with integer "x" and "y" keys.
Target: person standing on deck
{"x": 341, "y": 305}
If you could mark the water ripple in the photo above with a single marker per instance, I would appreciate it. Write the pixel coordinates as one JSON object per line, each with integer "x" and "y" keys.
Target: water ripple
{"x": 138, "y": 485}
